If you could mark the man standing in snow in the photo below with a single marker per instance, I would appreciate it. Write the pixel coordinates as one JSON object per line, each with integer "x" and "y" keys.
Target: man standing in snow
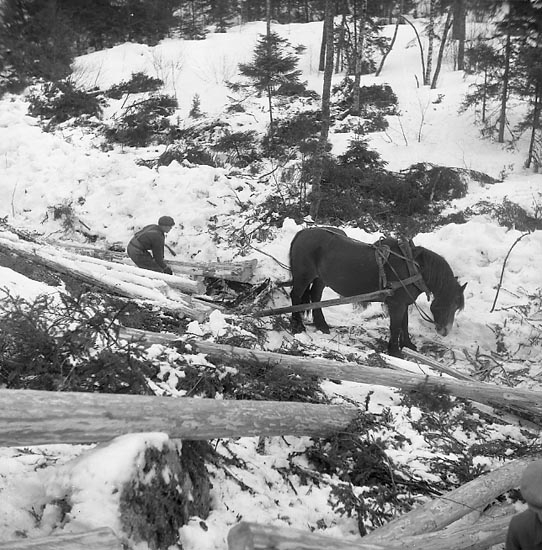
{"x": 151, "y": 239}
{"x": 525, "y": 530}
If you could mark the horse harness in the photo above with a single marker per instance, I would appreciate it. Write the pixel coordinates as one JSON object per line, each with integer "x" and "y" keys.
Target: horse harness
{"x": 383, "y": 252}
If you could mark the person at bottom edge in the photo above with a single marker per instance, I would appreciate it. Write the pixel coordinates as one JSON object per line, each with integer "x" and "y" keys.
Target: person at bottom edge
{"x": 525, "y": 529}
{"x": 146, "y": 248}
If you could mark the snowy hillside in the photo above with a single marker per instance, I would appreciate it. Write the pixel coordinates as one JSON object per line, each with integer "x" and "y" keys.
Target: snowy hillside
{"x": 110, "y": 195}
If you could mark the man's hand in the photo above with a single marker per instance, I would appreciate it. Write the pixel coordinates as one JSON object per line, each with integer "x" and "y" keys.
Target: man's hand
{"x": 168, "y": 271}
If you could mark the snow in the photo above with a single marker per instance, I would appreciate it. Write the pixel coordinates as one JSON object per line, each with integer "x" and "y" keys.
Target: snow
{"x": 114, "y": 196}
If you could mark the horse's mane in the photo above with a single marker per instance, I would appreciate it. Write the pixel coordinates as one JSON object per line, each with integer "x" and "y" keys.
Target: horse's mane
{"x": 436, "y": 271}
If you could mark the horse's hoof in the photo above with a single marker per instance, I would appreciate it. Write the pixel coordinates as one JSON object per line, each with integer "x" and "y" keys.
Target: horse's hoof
{"x": 297, "y": 329}
{"x": 395, "y": 352}
{"x": 411, "y": 346}
{"x": 325, "y": 330}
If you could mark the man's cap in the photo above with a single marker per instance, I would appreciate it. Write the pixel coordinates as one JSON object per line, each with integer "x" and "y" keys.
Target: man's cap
{"x": 166, "y": 220}
{"x": 531, "y": 484}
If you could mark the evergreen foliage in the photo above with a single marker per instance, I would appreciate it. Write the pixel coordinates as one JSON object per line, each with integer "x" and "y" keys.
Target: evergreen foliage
{"x": 138, "y": 83}
{"x": 62, "y": 100}
{"x": 144, "y": 122}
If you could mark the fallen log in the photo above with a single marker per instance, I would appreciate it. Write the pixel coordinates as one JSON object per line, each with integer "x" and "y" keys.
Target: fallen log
{"x": 378, "y": 296}
{"x": 501, "y": 415}
{"x": 31, "y": 417}
{"x": 455, "y": 504}
{"x": 181, "y": 303}
{"x": 241, "y": 271}
{"x": 142, "y": 276}
{"x": 97, "y": 539}
{"x": 479, "y": 536}
{"x": 498, "y": 396}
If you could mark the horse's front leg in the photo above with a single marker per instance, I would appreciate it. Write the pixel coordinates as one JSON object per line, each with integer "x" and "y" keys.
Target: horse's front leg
{"x": 404, "y": 336}
{"x": 397, "y": 311}
{"x": 317, "y": 290}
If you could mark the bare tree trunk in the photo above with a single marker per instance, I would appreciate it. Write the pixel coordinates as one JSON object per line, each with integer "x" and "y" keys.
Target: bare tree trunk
{"x": 360, "y": 45}
{"x": 398, "y": 22}
{"x": 322, "y": 62}
{"x": 447, "y": 26}
{"x": 316, "y": 193}
{"x": 459, "y": 31}
{"x": 431, "y": 38}
{"x": 420, "y": 46}
{"x": 505, "y": 84}
{"x": 536, "y": 117}
{"x": 97, "y": 539}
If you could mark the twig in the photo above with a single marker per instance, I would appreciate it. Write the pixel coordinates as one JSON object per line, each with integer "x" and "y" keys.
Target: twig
{"x": 502, "y": 270}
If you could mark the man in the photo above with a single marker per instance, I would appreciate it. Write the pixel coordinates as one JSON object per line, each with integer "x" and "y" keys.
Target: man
{"x": 151, "y": 239}
{"x": 525, "y": 530}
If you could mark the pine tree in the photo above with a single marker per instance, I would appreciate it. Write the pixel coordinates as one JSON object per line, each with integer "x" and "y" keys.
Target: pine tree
{"x": 273, "y": 64}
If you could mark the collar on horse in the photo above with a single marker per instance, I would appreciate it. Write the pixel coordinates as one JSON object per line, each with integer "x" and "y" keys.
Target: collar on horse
{"x": 382, "y": 253}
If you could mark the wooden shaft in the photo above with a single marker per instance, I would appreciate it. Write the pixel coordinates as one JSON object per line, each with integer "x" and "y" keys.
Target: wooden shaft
{"x": 30, "y": 417}
{"x": 378, "y": 296}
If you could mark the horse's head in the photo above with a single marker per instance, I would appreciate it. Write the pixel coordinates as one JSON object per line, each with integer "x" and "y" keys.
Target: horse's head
{"x": 445, "y": 306}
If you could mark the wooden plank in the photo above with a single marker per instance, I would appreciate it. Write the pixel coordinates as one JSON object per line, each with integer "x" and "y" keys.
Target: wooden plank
{"x": 31, "y": 417}
{"x": 378, "y": 296}
{"x": 97, "y": 539}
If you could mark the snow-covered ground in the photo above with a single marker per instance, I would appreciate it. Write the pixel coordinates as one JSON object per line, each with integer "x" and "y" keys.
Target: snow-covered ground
{"x": 112, "y": 195}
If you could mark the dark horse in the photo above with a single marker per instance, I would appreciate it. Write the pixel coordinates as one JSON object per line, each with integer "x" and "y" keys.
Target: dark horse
{"x": 321, "y": 257}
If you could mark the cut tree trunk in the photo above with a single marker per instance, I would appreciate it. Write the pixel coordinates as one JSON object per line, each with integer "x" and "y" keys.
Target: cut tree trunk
{"x": 455, "y": 504}
{"x": 168, "y": 299}
{"x": 527, "y": 401}
{"x": 30, "y": 417}
{"x": 479, "y": 536}
{"x": 241, "y": 271}
{"x": 97, "y": 539}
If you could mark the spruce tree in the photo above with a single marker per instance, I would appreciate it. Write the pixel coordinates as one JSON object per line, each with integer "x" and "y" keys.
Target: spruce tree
{"x": 273, "y": 64}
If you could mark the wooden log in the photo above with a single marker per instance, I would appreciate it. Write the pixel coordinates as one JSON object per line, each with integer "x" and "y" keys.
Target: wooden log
{"x": 128, "y": 272}
{"x": 232, "y": 271}
{"x": 479, "y": 536}
{"x": 525, "y": 400}
{"x": 181, "y": 304}
{"x": 378, "y": 296}
{"x": 455, "y": 504}
{"x": 97, "y": 539}
{"x": 500, "y": 416}
{"x": 415, "y": 356}
{"x": 31, "y": 417}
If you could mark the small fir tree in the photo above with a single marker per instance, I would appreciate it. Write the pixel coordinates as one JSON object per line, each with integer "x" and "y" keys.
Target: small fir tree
{"x": 274, "y": 63}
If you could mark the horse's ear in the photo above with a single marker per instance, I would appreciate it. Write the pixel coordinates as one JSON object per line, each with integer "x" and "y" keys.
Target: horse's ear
{"x": 463, "y": 287}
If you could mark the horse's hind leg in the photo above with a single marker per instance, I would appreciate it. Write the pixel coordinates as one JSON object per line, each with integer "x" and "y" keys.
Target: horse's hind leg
{"x": 316, "y": 291}
{"x": 300, "y": 294}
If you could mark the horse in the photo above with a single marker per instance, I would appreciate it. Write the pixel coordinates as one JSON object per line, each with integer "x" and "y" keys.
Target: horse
{"x": 326, "y": 257}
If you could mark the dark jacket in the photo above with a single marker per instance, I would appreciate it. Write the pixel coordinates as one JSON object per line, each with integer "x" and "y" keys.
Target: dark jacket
{"x": 151, "y": 238}
{"x": 524, "y": 532}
